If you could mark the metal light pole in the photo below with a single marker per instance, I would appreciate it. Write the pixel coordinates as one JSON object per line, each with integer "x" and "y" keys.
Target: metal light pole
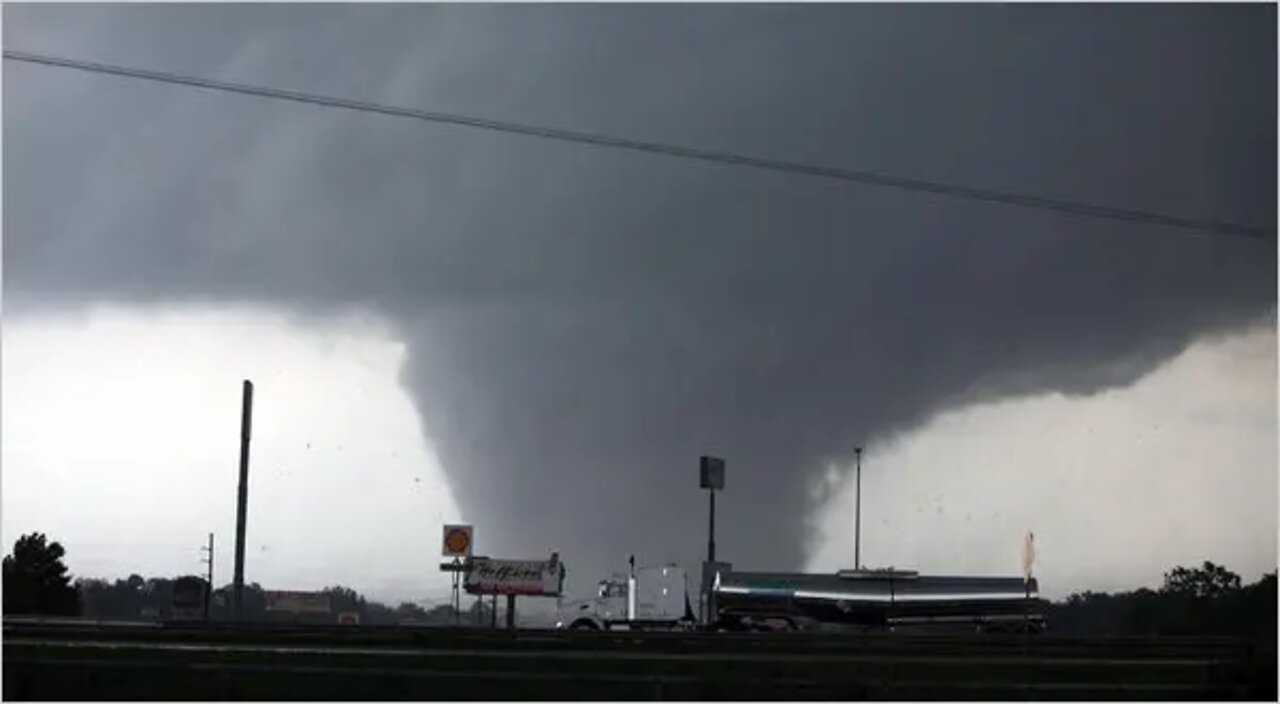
{"x": 711, "y": 478}
{"x": 857, "y": 511}
{"x": 711, "y": 529}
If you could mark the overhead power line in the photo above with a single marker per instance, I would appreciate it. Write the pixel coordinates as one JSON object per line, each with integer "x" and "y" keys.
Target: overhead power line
{"x": 727, "y": 158}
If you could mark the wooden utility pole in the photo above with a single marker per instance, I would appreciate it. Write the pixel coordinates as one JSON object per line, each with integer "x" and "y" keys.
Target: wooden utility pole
{"x": 242, "y": 497}
{"x": 208, "y": 589}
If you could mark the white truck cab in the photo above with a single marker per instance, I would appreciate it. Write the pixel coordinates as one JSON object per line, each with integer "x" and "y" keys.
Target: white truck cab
{"x": 650, "y": 598}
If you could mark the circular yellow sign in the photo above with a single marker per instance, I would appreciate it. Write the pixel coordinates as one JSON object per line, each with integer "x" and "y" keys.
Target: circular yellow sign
{"x": 457, "y": 540}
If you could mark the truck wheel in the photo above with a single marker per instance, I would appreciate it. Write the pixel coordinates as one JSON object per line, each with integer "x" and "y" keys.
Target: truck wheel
{"x": 584, "y": 625}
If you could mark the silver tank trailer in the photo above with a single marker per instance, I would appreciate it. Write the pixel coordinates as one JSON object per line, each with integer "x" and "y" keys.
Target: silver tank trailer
{"x": 874, "y": 598}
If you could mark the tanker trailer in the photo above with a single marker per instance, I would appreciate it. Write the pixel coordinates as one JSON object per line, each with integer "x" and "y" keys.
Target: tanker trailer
{"x": 872, "y": 599}
{"x": 991, "y": 604}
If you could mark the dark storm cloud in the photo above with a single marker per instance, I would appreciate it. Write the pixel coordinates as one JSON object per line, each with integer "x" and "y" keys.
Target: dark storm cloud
{"x": 584, "y": 323}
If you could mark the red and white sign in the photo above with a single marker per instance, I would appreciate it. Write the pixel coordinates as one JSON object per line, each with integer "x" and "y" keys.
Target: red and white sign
{"x": 523, "y": 577}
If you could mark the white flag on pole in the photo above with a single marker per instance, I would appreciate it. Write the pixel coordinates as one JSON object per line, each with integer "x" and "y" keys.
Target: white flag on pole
{"x": 1028, "y": 555}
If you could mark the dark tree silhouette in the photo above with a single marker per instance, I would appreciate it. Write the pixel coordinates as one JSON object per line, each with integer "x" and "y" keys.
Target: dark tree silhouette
{"x": 36, "y": 579}
{"x": 1208, "y": 600}
{"x": 345, "y": 599}
{"x": 1206, "y": 582}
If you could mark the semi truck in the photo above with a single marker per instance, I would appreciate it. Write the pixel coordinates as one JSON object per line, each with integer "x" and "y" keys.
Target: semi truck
{"x": 648, "y": 598}
{"x": 880, "y": 599}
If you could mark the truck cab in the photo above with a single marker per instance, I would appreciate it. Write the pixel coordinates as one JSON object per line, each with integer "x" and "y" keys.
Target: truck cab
{"x": 650, "y": 598}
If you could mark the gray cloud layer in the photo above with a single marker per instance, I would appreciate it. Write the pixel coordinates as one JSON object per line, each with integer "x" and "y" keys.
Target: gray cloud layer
{"x": 584, "y": 323}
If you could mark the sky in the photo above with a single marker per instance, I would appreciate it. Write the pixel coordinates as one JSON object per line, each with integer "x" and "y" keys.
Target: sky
{"x": 122, "y": 442}
{"x": 1176, "y": 469}
{"x": 551, "y": 334}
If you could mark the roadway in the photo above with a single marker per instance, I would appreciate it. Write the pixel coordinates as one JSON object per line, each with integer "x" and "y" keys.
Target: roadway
{"x": 90, "y": 660}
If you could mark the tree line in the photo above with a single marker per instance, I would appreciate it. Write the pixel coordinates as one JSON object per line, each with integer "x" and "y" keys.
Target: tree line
{"x": 139, "y": 598}
{"x": 1204, "y": 600}
{"x": 37, "y": 582}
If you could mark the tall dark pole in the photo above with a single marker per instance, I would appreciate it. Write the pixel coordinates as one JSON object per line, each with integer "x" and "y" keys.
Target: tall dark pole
{"x": 857, "y": 511}
{"x": 711, "y": 478}
{"x": 242, "y": 496}
{"x": 457, "y": 598}
{"x": 711, "y": 531}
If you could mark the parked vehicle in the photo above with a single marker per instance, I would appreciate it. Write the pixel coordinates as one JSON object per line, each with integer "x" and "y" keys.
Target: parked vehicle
{"x": 875, "y": 599}
{"x": 894, "y": 600}
{"x": 649, "y": 598}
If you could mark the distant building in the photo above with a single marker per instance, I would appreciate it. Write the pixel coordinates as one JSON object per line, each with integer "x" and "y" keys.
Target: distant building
{"x": 188, "y": 599}
{"x": 300, "y": 607}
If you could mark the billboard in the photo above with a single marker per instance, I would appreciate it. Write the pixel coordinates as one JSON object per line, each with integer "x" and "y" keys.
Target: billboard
{"x": 299, "y": 602}
{"x": 711, "y": 473}
{"x": 523, "y": 577}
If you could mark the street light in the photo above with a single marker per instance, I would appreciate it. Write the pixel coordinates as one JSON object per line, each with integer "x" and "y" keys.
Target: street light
{"x": 857, "y": 511}
{"x": 711, "y": 478}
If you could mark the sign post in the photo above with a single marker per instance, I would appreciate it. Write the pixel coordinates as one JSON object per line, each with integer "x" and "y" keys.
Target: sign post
{"x": 457, "y": 543}
{"x": 456, "y": 597}
{"x": 711, "y": 478}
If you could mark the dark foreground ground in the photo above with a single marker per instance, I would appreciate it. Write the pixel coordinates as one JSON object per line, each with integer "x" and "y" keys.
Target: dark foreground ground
{"x": 133, "y": 661}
